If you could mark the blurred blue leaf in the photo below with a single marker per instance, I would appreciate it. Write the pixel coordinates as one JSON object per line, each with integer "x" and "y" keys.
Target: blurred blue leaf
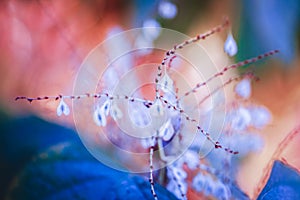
{"x": 237, "y": 193}
{"x": 267, "y": 25}
{"x": 21, "y": 139}
{"x": 284, "y": 183}
{"x": 40, "y": 160}
{"x": 67, "y": 171}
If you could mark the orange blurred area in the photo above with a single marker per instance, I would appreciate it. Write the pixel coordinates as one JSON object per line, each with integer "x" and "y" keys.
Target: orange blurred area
{"x": 44, "y": 42}
{"x": 279, "y": 90}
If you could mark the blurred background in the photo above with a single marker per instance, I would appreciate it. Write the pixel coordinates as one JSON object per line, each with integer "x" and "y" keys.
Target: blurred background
{"x": 43, "y": 43}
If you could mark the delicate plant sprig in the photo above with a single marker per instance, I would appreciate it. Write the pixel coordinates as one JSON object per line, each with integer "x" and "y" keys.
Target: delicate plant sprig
{"x": 249, "y": 75}
{"x": 87, "y": 95}
{"x": 63, "y": 107}
{"x": 164, "y": 85}
{"x": 216, "y": 144}
{"x": 151, "y": 179}
{"x": 178, "y": 177}
{"x": 234, "y": 66}
{"x": 172, "y": 51}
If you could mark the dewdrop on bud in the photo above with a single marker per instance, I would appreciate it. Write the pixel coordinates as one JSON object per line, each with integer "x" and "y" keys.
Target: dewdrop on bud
{"x": 208, "y": 185}
{"x": 148, "y": 142}
{"x": 260, "y": 116}
{"x": 221, "y": 191}
{"x": 166, "y": 131}
{"x": 99, "y": 116}
{"x": 166, "y": 83}
{"x": 101, "y": 113}
{"x": 230, "y": 46}
{"x": 191, "y": 158}
{"x": 157, "y": 108}
{"x": 178, "y": 188}
{"x": 177, "y": 184}
{"x": 178, "y": 173}
{"x": 241, "y": 119}
{"x": 139, "y": 115}
{"x": 243, "y": 88}
{"x": 167, "y": 10}
{"x": 151, "y": 29}
{"x": 106, "y": 107}
{"x": 198, "y": 182}
{"x": 62, "y": 108}
{"x": 115, "y": 112}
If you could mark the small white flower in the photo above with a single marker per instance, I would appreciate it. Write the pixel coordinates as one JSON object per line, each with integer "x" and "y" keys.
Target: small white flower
{"x": 251, "y": 143}
{"x": 139, "y": 115}
{"x": 209, "y": 185}
{"x": 173, "y": 187}
{"x": 62, "y": 108}
{"x": 171, "y": 98}
{"x": 106, "y": 107}
{"x": 115, "y": 112}
{"x": 260, "y": 116}
{"x": 204, "y": 183}
{"x": 241, "y": 119}
{"x": 230, "y": 46}
{"x": 243, "y": 88}
{"x": 199, "y": 182}
{"x": 157, "y": 108}
{"x": 191, "y": 158}
{"x": 167, "y": 10}
{"x": 148, "y": 142}
{"x": 221, "y": 191}
{"x": 99, "y": 116}
{"x": 178, "y": 173}
{"x": 101, "y": 113}
{"x": 166, "y": 131}
{"x": 166, "y": 84}
{"x": 151, "y": 29}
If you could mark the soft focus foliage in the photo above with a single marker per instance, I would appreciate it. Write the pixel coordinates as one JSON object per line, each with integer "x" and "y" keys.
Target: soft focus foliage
{"x": 284, "y": 183}
{"x": 270, "y": 24}
{"x": 59, "y": 167}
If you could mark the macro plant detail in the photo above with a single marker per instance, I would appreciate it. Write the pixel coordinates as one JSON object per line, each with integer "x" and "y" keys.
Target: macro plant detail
{"x": 168, "y": 114}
